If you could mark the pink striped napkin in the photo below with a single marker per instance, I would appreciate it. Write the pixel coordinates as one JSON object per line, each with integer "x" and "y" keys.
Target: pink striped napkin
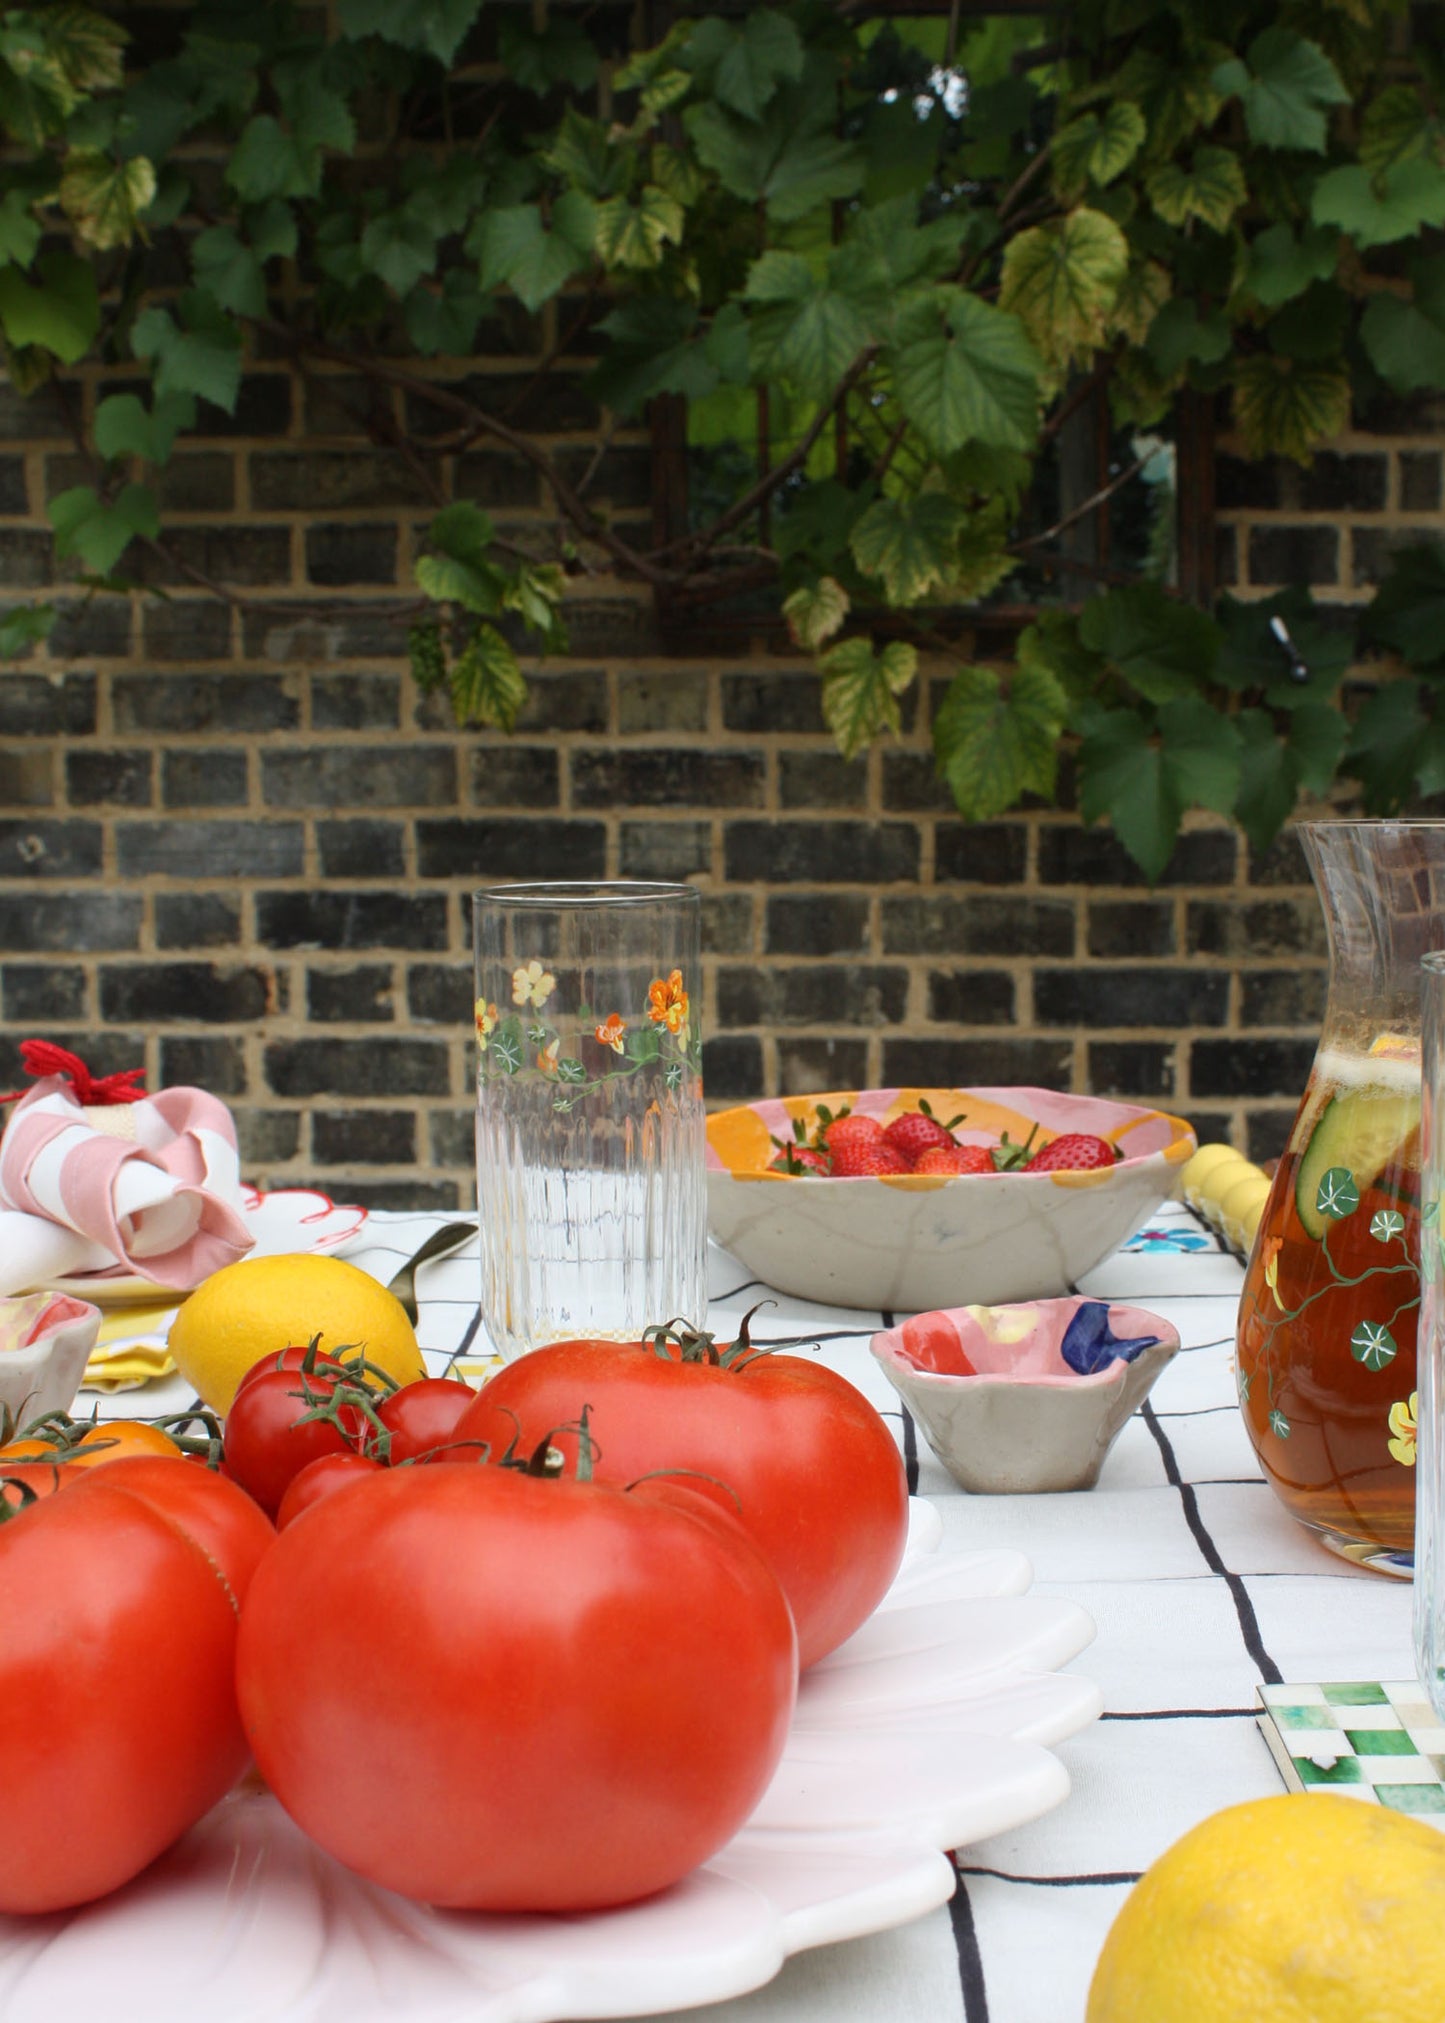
{"x": 152, "y": 1189}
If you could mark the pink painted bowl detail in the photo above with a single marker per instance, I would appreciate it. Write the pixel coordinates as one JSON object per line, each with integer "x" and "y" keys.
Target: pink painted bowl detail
{"x": 911, "y": 1240}
{"x": 1026, "y": 1397}
{"x": 45, "y": 1342}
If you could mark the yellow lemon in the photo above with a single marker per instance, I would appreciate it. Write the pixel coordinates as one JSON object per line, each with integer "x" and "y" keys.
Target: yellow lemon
{"x": 1195, "y": 1180}
{"x": 247, "y": 1310}
{"x": 1241, "y": 1204}
{"x": 1303, "y": 1909}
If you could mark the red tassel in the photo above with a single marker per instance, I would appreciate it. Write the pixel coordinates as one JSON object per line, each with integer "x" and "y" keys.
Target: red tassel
{"x": 44, "y": 1057}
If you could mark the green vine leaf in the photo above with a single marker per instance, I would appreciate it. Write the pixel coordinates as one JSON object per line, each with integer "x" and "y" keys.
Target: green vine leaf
{"x": 59, "y": 314}
{"x": 103, "y": 198}
{"x": 124, "y": 427}
{"x": 1377, "y": 211}
{"x": 743, "y": 65}
{"x": 487, "y": 685}
{"x": 789, "y": 161}
{"x": 1289, "y": 407}
{"x": 967, "y": 372}
{"x": 203, "y": 357}
{"x": 906, "y": 543}
{"x": 24, "y": 626}
{"x": 1395, "y": 127}
{"x": 861, "y": 690}
{"x": 801, "y": 329}
{"x": 1286, "y": 85}
{"x": 1143, "y": 780}
{"x": 1062, "y": 281}
{"x": 634, "y": 232}
{"x": 1211, "y": 190}
{"x": 1097, "y": 150}
{"x": 520, "y": 250}
{"x": 435, "y": 26}
{"x": 815, "y": 612}
{"x": 1162, "y": 648}
{"x": 100, "y": 532}
{"x": 1282, "y": 265}
{"x": 539, "y": 59}
{"x": 1408, "y": 612}
{"x": 1406, "y": 339}
{"x": 997, "y": 738}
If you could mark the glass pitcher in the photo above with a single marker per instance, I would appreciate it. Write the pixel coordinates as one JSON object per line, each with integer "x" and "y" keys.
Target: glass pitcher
{"x": 1325, "y": 1358}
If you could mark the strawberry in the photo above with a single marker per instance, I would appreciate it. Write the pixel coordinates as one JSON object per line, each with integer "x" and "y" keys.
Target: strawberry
{"x": 798, "y": 1159}
{"x": 919, "y": 1131}
{"x": 851, "y": 1130}
{"x": 856, "y": 1157}
{"x": 1075, "y": 1151}
{"x": 955, "y": 1159}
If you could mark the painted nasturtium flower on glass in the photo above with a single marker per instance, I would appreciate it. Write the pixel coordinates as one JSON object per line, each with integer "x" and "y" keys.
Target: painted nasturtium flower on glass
{"x": 1402, "y": 1428}
{"x": 610, "y": 1032}
{"x": 1272, "y": 1248}
{"x": 531, "y": 984}
{"x": 547, "y": 1059}
{"x": 486, "y": 1016}
{"x": 667, "y": 1003}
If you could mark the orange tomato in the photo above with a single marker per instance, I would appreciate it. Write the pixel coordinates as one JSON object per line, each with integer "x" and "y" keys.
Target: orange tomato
{"x": 112, "y": 1439}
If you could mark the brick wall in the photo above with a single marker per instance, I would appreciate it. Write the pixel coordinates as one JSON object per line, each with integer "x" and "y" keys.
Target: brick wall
{"x": 236, "y": 844}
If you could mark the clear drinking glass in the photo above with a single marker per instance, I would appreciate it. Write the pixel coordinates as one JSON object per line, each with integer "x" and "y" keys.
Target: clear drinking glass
{"x": 1429, "y": 1395}
{"x": 590, "y": 1120}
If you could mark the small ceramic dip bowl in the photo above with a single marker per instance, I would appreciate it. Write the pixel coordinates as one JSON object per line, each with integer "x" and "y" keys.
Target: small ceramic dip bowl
{"x": 45, "y": 1342}
{"x": 1018, "y": 1399}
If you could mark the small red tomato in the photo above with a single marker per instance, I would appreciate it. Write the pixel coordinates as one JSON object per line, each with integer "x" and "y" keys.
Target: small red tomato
{"x": 318, "y": 1480}
{"x": 270, "y": 1437}
{"x": 294, "y": 1358}
{"x": 422, "y": 1417}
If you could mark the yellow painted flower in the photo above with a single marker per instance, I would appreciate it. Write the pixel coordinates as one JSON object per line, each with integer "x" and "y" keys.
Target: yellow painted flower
{"x": 486, "y": 1016}
{"x": 1402, "y": 1426}
{"x": 547, "y": 1059}
{"x": 667, "y": 1003}
{"x": 531, "y": 984}
{"x": 1272, "y": 1250}
{"x": 610, "y": 1032}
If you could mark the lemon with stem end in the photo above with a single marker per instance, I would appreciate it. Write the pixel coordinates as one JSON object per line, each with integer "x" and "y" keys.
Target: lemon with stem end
{"x": 261, "y": 1305}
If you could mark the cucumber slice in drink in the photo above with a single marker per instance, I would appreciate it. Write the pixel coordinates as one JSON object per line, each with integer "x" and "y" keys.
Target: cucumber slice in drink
{"x": 1361, "y": 1130}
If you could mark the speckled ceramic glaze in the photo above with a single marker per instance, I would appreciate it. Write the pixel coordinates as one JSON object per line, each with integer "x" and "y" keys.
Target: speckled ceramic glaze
{"x": 1027, "y": 1397}
{"x": 45, "y": 1339}
{"x": 915, "y": 1240}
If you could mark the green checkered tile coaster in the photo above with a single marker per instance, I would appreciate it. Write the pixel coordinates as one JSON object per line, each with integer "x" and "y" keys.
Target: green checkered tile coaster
{"x": 1380, "y": 1742}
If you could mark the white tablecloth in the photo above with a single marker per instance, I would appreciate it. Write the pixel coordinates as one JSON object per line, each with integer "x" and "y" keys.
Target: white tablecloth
{"x": 1201, "y": 1588}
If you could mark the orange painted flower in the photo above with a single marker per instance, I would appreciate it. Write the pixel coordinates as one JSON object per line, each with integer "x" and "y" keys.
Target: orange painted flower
{"x": 486, "y": 1016}
{"x": 610, "y": 1032}
{"x": 1403, "y": 1426}
{"x": 667, "y": 1003}
{"x": 1272, "y": 1248}
{"x": 547, "y": 1059}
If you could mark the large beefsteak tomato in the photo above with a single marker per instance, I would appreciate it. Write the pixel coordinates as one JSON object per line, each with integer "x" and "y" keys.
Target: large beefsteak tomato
{"x": 116, "y": 1676}
{"x": 490, "y": 1691}
{"x": 817, "y": 1476}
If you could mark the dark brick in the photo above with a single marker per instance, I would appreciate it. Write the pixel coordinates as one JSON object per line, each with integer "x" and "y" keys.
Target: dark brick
{"x": 1130, "y": 997}
{"x": 732, "y": 1068}
{"x": 977, "y": 1063}
{"x": 104, "y": 1050}
{"x": 49, "y": 849}
{"x": 248, "y": 557}
{"x": 823, "y": 853}
{"x": 767, "y": 703}
{"x": 1282, "y": 863}
{"x": 342, "y": 404}
{"x": 648, "y": 777}
{"x": 362, "y": 920}
{"x": 33, "y": 418}
{"x": 370, "y": 628}
{"x": 41, "y": 994}
{"x": 438, "y": 995}
{"x": 1282, "y": 997}
{"x": 981, "y": 853}
{"x": 406, "y": 1197}
{"x": 69, "y": 922}
{"x": 320, "y": 481}
{"x": 202, "y": 483}
{"x": 1339, "y": 481}
{"x": 1373, "y": 549}
{"x": 14, "y": 496}
{"x": 1261, "y": 927}
{"x": 1244, "y": 484}
{"x": 361, "y": 849}
{"x": 98, "y": 629}
{"x": 809, "y": 1067}
{"x": 497, "y": 850}
{"x": 32, "y": 705}
{"x": 911, "y": 783}
{"x": 263, "y": 408}
{"x": 1211, "y": 1127}
{"x": 203, "y": 702}
{"x": 623, "y": 476}
{"x": 214, "y": 1064}
{"x": 674, "y": 701}
{"x": 978, "y": 924}
{"x": 374, "y": 1066}
{"x": 821, "y": 780}
{"x": 515, "y": 776}
{"x": 215, "y": 778}
{"x": 185, "y": 849}
{"x": 29, "y": 559}
{"x": 1298, "y": 554}
{"x": 352, "y": 776}
{"x": 671, "y": 851}
{"x": 555, "y": 403}
{"x": 971, "y": 997}
{"x": 364, "y": 1137}
{"x": 345, "y": 554}
{"x": 1420, "y": 481}
{"x": 1226, "y": 557}
{"x": 266, "y": 1137}
{"x": 451, "y": 1137}
{"x": 1136, "y": 1071}
{"x": 196, "y": 920}
{"x": 27, "y": 778}
{"x": 121, "y": 778}
{"x": 190, "y": 992}
{"x": 1069, "y": 856}
{"x": 188, "y": 628}
{"x": 1243, "y": 1067}
{"x": 355, "y": 702}
{"x": 858, "y": 994}
{"x": 492, "y": 478}
{"x": 818, "y": 923}
{"x": 1267, "y": 1134}
{"x": 727, "y": 923}
{"x": 364, "y": 994}
{"x": 1131, "y": 927}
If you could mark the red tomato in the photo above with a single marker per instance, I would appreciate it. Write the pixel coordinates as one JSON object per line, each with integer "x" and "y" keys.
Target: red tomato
{"x": 269, "y": 1438}
{"x": 495, "y": 1692}
{"x": 293, "y": 1359}
{"x": 318, "y": 1479}
{"x": 423, "y": 1416}
{"x": 104, "y": 1598}
{"x": 229, "y": 1526}
{"x": 817, "y": 1478}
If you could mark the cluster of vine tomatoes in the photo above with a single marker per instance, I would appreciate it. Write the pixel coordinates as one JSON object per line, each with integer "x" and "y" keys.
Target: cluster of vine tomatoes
{"x": 533, "y": 1648}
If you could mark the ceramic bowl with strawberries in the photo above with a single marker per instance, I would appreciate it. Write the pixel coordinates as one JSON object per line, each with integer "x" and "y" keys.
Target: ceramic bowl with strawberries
{"x": 906, "y": 1199}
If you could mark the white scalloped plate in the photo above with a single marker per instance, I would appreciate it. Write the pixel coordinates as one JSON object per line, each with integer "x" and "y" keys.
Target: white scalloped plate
{"x": 933, "y": 1726}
